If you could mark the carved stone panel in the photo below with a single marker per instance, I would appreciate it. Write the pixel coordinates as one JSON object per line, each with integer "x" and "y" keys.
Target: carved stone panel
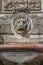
{"x": 34, "y": 5}
{"x": 15, "y": 5}
{"x": 22, "y": 26}
{"x": 12, "y": 5}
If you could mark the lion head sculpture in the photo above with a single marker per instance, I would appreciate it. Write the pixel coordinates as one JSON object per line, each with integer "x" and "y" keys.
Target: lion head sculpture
{"x": 21, "y": 24}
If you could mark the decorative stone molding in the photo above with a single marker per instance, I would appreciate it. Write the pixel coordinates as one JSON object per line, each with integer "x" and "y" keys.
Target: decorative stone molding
{"x": 9, "y": 6}
{"x": 35, "y": 29}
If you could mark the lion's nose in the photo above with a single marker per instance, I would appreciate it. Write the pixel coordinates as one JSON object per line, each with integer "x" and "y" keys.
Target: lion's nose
{"x": 21, "y": 23}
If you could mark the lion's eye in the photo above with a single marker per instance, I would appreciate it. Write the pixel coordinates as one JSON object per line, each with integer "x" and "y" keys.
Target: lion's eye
{"x": 24, "y": 22}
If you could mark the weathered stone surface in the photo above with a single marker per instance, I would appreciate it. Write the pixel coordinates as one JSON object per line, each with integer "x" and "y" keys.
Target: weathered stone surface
{"x": 34, "y": 5}
{"x": 15, "y": 5}
{"x": 21, "y": 25}
{"x": 6, "y": 28}
{"x": 1, "y": 39}
{"x": 19, "y": 57}
{"x": 6, "y": 62}
{"x": 12, "y": 5}
{"x": 8, "y": 34}
{"x": 37, "y": 20}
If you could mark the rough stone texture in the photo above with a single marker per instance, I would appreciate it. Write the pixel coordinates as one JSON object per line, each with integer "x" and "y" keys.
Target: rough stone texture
{"x": 13, "y": 5}
{"x": 5, "y": 27}
{"x": 6, "y": 62}
{"x": 1, "y": 39}
{"x": 34, "y": 5}
{"x": 37, "y": 20}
